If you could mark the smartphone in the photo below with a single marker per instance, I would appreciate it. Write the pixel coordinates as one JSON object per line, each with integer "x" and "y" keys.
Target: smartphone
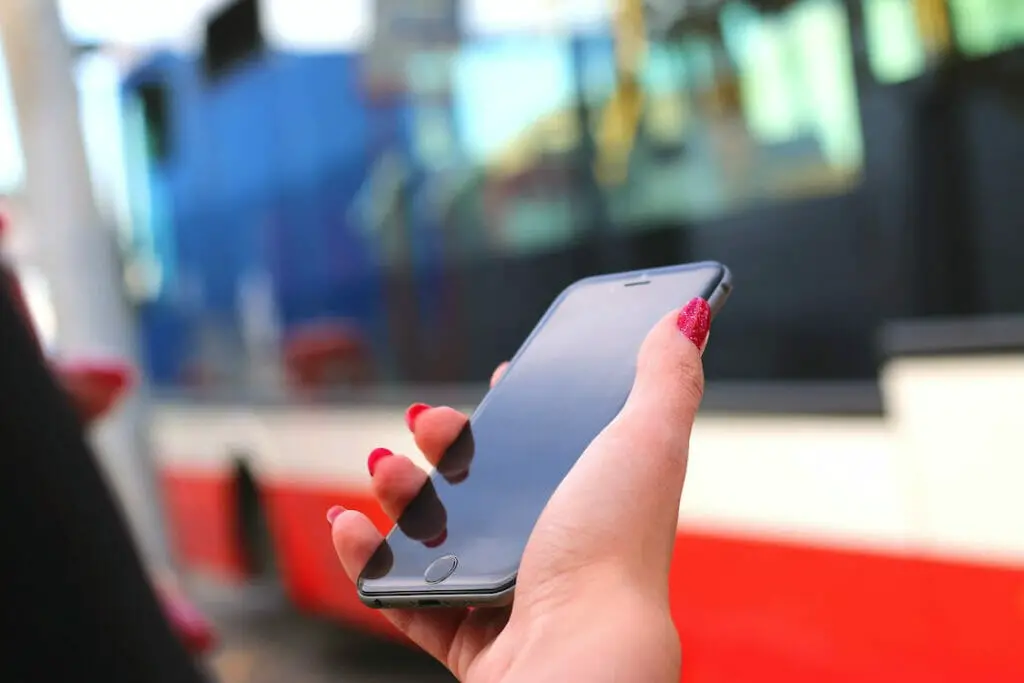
{"x": 460, "y": 540}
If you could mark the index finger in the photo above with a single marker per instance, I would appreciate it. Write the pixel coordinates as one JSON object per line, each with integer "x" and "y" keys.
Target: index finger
{"x": 435, "y": 429}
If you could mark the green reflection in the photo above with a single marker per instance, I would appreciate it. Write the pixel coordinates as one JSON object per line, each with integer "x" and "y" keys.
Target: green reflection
{"x": 895, "y": 49}
{"x": 984, "y": 27}
{"x": 764, "y": 109}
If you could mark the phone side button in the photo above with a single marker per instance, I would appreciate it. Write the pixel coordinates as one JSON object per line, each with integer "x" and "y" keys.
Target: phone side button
{"x": 440, "y": 569}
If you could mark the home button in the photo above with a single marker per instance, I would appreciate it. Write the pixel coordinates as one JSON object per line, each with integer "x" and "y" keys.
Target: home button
{"x": 440, "y": 569}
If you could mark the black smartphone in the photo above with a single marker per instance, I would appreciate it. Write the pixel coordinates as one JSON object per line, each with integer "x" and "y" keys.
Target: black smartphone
{"x": 564, "y": 385}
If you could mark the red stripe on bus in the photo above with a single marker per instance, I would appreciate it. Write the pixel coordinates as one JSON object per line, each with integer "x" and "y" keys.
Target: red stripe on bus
{"x": 746, "y": 609}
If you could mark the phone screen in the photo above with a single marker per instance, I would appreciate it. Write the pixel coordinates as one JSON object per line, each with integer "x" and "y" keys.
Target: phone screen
{"x": 566, "y": 384}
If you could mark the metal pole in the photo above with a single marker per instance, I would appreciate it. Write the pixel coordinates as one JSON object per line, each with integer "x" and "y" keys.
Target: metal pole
{"x": 73, "y": 249}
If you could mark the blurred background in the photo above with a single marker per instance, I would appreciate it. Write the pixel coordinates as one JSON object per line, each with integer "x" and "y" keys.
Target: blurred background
{"x": 295, "y": 217}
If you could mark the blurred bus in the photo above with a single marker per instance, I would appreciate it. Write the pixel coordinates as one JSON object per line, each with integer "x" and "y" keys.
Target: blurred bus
{"x": 319, "y": 239}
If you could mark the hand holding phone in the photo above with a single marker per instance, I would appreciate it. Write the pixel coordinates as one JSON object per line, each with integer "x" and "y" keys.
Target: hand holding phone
{"x": 583, "y": 533}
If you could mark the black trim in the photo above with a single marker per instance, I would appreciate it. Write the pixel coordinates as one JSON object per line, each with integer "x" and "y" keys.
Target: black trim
{"x": 841, "y": 398}
{"x": 233, "y": 37}
{"x": 833, "y": 398}
{"x": 953, "y": 336}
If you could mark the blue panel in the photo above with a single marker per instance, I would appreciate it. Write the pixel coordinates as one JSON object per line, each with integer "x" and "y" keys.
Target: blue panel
{"x": 193, "y": 124}
{"x": 164, "y": 344}
{"x": 342, "y": 120}
{"x": 264, "y": 169}
{"x": 220, "y": 259}
{"x": 242, "y": 140}
{"x": 297, "y": 253}
{"x": 352, "y": 270}
{"x": 294, "y": 131}
{"x": 188, "y": 231}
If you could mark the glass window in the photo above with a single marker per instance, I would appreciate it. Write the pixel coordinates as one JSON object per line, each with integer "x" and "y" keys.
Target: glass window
{"x": 435, "y": 144}
{"x": 503, "y": 88}
{"x": 983, "y": 27}
{"x": 796, "y": 75}
{"x": 514, "y": 107}
{"x": 897, "y": 31}
{"x": 895, "y": 49}
{"x": 764, "y": 110}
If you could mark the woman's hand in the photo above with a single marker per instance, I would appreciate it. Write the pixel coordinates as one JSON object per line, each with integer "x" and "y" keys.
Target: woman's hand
{"x": 591, "y": 601}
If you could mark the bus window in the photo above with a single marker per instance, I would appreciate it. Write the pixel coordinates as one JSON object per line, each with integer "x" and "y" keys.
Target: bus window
{"x": 761, "y": 107}
{"x": 902, "y": 33}
{"x": 796, "y": 76}
{"x": 434, "y": 143}
{"x": 984, "y": 27}
{"x": 751, "y": 106}
{"x": 896, "y": 51}
{"x": 520, "y": 139}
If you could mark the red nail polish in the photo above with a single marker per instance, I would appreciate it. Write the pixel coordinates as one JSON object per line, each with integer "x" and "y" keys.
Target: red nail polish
{"x": 333, "y": 513}
{"x": 694, "y": 321}
{"x": 414, "y": 411}
{"x": 434, "y": 542}
{"x": 376, "y": 455}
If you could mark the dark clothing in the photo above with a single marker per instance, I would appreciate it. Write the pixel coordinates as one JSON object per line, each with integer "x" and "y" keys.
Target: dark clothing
{"x": 75, "y": 600}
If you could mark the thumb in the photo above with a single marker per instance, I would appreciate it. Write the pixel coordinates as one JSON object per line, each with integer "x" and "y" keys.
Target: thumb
{"x": 669, "y": 380}
{"x": 628, "y": 483}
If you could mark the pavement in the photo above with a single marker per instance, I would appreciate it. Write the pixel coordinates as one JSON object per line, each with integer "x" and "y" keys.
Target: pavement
{"x": 264, "y": 640}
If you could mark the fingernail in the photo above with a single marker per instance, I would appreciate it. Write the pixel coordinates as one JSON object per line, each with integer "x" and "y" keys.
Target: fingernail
{"x": 434, "y": 542}
{"x": 333, "y": 513}
{"x": 458, "y": 477}
{"x": 414, "y": 411}
{"x": 694, "y": 321}
{"x": 376, "y": 455}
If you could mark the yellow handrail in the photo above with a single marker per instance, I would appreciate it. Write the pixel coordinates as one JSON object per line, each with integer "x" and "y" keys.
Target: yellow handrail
{"x": 620, "y": 119}
{"x": 933, "y": 24}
